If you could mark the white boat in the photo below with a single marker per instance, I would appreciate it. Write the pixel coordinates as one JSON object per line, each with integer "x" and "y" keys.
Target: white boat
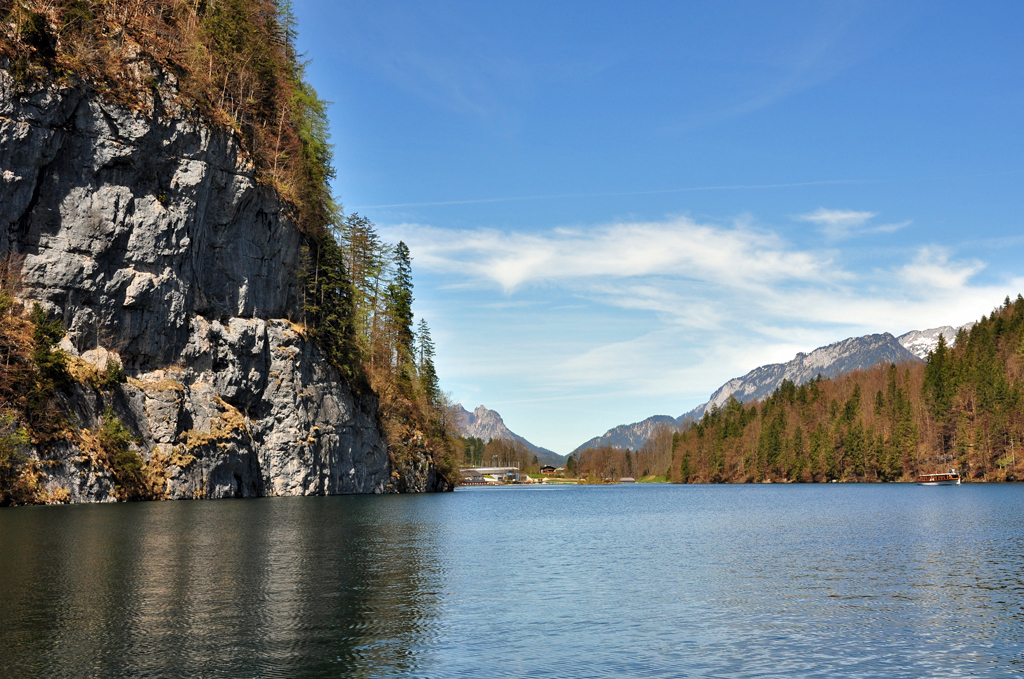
{"x": 950, "y": 478}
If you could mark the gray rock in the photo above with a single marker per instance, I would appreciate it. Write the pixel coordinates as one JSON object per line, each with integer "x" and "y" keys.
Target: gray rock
{"x": 631, "y": 436}
{"x": 854, "y": 353}
{"x": 153, "y": 240}
{"x": 487, "y": 425}
{"x": 920, "y": 342}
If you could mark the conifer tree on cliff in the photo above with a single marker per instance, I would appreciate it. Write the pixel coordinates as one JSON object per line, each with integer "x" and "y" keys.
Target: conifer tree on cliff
{"x": 367, "y": 259}
{"x": 328, "y": 305}
{"x": 425, "y": 362}
{"x": 400, "y": 303}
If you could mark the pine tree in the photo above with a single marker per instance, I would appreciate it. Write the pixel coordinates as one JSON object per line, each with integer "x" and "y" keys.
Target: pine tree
{"x": 328, "y": 306}
{"x": 367, "y": 258}
{"x": 425, "y": 362}
{"x": 400, "y": 310}
{"x": 939, "y": 380}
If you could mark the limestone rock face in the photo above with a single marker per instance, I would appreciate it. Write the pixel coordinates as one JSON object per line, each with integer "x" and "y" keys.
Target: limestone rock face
{"x": 920, "y": 342}
{"x": 150, "y": 236}
{"x": 486, "y": 425}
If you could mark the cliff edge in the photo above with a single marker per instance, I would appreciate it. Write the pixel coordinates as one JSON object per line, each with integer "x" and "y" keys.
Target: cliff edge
{"x": 149, "y": 236}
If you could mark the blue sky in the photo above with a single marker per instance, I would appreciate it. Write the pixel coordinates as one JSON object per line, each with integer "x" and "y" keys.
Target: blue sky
{"x": 615, "y": 207}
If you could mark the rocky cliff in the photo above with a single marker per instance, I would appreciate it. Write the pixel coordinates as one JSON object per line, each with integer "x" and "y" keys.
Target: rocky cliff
{"x": 148, "y": 234}
{"x": 486, "y": 425}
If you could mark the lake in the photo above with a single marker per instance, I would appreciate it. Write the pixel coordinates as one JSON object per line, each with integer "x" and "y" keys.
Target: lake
{"x": 589, "y": 581}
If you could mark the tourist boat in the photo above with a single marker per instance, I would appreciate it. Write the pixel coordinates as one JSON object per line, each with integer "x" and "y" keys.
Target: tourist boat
{"x": 950, "y": 478}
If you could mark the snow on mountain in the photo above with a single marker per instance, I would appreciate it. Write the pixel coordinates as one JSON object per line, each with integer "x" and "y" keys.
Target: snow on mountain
{"x": 920, "y": 342}
{"x": 486, "y": 425}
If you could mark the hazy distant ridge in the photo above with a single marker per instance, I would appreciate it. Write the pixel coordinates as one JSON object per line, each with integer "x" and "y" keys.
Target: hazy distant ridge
{"x": 629, "y": 435}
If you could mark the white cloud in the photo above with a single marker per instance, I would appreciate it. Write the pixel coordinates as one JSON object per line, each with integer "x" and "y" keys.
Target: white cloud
{"x": 737, "y": 257}
{"x": 656, "y": 315}
{"x": 888, "y": 228}
{"x": 711, "y": 278}
{"x": 839, "y": 224}
{"x": 933, "y": 271}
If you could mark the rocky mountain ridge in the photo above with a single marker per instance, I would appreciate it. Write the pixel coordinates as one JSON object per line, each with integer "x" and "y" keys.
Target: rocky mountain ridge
{"x": 150, "y": 237}
{"x": 855, "y": 353}
{"x": 631, "y": 436}
{"x": 486, "y": 425}
{"x": 920, "y": 342}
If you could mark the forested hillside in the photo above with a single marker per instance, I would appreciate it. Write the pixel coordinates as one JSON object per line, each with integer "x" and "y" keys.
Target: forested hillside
{"x": 962, "y": 408}
{"x": 365, "y": 323}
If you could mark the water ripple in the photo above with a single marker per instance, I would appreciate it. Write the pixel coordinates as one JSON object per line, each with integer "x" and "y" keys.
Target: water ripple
{"x": 639, "y": 581}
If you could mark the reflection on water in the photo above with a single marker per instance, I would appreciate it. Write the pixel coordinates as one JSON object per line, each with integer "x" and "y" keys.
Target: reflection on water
{"x": 285, "y": 587}
{"x": 574, "y": 582}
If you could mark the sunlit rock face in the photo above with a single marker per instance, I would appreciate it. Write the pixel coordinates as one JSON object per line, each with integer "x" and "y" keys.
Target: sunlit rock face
{"x": 920, "y": 342}
{"x": 855, "y": 353}
{"x": 483, "y": 423}
{"x": 486, "y": 425}
{"x": 149, "y": 235}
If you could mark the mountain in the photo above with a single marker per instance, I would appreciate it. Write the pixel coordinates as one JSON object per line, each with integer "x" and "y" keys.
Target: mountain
{"x": 630, "y": 435}
{"x": 486, "y": 424}
{"x": 920, "y": 342}
{"x": 855, "y": 353}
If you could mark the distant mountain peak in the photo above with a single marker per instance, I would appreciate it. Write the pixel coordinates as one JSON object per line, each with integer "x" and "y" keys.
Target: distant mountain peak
{"x": 832, "y": 360}
{"x": 484, "y": 420}
{"x": 487, "y": 425}
{"x": 920, "y": 342}
{"x": 629, "y": 435}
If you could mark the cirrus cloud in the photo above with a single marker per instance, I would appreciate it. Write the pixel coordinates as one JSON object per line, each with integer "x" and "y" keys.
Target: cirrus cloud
{"x": 839, "y": 224}
{"x": 658, "y": 314}
{"x": 734, "y": 257}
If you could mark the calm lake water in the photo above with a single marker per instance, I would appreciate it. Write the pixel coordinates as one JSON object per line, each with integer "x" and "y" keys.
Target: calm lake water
{"x": 635, "y": 581}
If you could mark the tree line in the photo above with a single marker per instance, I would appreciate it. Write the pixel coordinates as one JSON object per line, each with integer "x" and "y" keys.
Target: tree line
{"x": 652, "y": 461}
{"x": 961, "y": 408}
{"x": 357, "y": 305}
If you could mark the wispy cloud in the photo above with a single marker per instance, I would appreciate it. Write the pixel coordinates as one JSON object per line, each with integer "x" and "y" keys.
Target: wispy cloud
{"x": 820, "y": 56}
{"x": 670, "y": 309}
{"x": 697, "y": 285}
{"x": 839, "y": 224}
{"x": 932, "y": 270}
{"x": 736, "y": 257}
